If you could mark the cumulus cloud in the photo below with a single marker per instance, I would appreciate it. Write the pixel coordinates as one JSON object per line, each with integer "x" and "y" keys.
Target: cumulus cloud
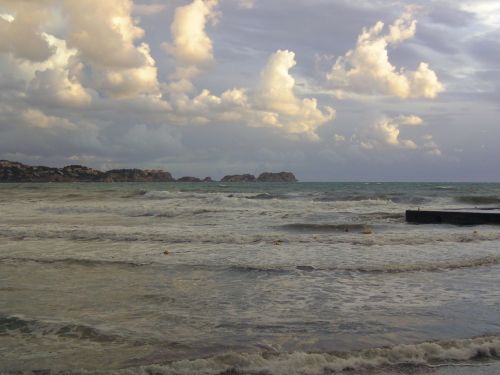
{"x": 430, "y": 147}
{"x": 98, "y": 48}
{"x": 386, "y": 133}
{"x": 104, "y": 32}
{"x": 129, "y": 82}
{"x": 366, "y": 69}
{"x": 106, "y": 40}
{"x": 37, "y": 119}
{"x": 273, "y": 103}
{"x": 56, "y": 80}
{"x": 20, "y": 32}
{"x": 275, "y": 93}
{"x": 191, "y": 47}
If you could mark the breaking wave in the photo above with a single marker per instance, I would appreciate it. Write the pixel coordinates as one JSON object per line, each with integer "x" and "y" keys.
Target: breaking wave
{"x": 74, "y": 261}
{"x": 424, "y": 354}
{"x": 12, "y": 325}
{"x": 430, "y": 267}
{"x": 401, "y": 358}
{"x": 352, "y": 198}
{"x": 479, "y": 199}
{"x": 387, "y": 268}
{"x": 310, "y": 227}
{"x": 130, "y": 212}
{"x": 171, "y": 194}
{"x": 135, "y": 194}
{"x": 265, "y": 196}
{"x": 309, "y": 235}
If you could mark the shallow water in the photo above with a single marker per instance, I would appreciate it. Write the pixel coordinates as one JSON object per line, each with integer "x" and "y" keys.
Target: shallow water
{"x": 306, "y": 278}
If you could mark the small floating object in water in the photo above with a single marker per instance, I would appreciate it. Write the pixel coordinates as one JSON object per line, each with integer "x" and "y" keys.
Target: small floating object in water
{"x": 277, "y": 242}
{"x": 367, "y": 230}
{"x": 166, "y": 252}
{"x": 306, "y": 268}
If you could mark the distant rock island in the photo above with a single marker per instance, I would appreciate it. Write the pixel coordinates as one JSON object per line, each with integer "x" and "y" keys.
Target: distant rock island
{"x": 11, "y": 171}
{"x": 263, "y": 177}
{"x": 238, "y": 178}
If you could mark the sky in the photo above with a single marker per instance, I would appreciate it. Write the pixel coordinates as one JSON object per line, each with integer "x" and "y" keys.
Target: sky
{"x": 332, "y": 90}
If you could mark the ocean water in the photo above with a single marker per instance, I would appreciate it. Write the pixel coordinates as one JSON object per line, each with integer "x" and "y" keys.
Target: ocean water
{"x": 256, "y": 278}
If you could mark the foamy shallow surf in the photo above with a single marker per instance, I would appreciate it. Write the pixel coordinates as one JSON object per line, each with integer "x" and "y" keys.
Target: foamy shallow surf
{"x": 246, "y": 279}
{"x": 423, "y": 355}
{"x": 427, "y": 357}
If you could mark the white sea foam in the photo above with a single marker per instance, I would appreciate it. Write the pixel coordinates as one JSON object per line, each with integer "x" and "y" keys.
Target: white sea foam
{"x": 221, "y": 269}
{"x": 427, "y": 354}
{"x": 182, "y": 233}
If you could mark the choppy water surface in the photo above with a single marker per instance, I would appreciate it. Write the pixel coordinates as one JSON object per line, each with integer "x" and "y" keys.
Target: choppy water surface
{"x": 306, "y": 278}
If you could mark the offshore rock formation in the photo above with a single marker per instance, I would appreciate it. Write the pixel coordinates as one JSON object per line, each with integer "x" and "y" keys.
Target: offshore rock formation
{"x": 277, "y": 177}
{"x": 238, "y": 178}
{"x": 188, "y": 179}
{"x": 137, "y": 175}
{"x": 194, "y": 179}
{"x": 263, "y": 177}
{"x": 17, "y": 172}
{"x": 11, "y": 171}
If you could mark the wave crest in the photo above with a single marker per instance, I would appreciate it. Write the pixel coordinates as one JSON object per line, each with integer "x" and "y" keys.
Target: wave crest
{"x": 323, "y": 227}
{"x": 388, "y": 268}
{"x": 395, "y": 358}
{"x": 479, "y": 199}
{"x": 75, "y": 261}
{"x": 12, "y": 325}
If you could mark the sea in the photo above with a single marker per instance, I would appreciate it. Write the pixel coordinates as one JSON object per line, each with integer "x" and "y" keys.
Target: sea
{"x": 246, "y": 278}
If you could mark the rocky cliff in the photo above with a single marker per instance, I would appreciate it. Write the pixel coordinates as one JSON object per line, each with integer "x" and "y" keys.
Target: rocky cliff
{"x": 18, "y": 172}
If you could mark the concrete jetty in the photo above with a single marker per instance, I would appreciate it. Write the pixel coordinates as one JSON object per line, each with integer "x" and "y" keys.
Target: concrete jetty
{"x": 489, "y": 216}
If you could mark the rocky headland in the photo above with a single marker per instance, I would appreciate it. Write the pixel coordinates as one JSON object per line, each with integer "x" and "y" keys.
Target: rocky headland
{"x": 11, "y": 171}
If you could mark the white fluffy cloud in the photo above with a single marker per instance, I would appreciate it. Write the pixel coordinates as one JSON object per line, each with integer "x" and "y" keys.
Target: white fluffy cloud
{"x": 83, "y": 75}
{"x": 275, "y": 93}
{"x": 366, "y": 69}
{"x": 99, "y": 49}
{"x": 272, "y": 103}
{"x": 191, "y": 47}
{"x": 386, "y": 133}
{"x": 20, "y": 30}
{"x": 104, "y": 32}
{"x": 57, "y": 79}
{"x": 106, "y": 40}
